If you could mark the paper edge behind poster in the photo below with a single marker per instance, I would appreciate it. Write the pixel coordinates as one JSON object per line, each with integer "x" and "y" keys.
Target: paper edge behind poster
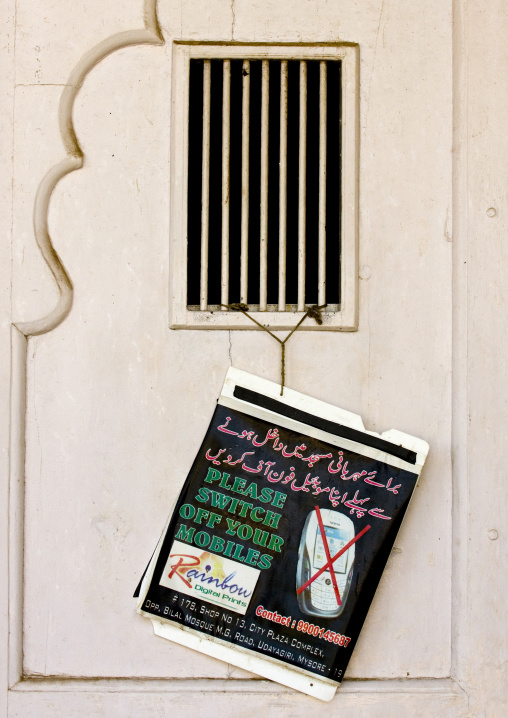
{"x": 210, "y": 646}
{"x": 312, "y": 686}
{"x": 320, "y": 408}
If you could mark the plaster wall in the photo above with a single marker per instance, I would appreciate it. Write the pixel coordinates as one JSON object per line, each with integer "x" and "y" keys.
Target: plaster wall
{"x": 117, "y": 403}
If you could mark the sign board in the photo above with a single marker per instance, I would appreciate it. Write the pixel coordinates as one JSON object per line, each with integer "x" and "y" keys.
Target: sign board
{"x": 275, "y": 547}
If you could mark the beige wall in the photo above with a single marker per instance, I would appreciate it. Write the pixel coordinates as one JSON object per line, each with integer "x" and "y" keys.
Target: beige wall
{"x": 108, "y": 404}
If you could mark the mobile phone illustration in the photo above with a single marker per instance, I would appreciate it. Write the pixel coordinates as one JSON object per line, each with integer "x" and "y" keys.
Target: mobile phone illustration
{"x": 319, "y": 598}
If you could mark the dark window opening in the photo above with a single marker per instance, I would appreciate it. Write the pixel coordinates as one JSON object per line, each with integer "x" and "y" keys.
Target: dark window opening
{"x": 314, "y": 108}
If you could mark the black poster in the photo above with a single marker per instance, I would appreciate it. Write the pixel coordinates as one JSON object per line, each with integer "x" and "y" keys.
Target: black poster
{"x": 279, "y": 537}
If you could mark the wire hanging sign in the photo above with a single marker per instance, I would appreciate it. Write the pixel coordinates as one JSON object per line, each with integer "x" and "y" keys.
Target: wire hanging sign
{"x": 313, "y": 312}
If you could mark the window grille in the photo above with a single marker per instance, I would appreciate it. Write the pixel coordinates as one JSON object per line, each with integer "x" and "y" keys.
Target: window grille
{"x": 264, "y": 184}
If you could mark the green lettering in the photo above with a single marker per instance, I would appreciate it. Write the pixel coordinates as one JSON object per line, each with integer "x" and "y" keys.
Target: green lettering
{"x": 252, "y": 557}
{"x": 203, "y": 495}
{"x": 202, "y": 539}
{"x": 238, "y": 485}
{"x": 229, "y": 547}
{"x": 224, "y": 481}
{"x": 254, "y": 515}
{"x": 238, "y": 552}
{"x": 185, "y": 534}
{"x": 272, "y": 519}
{"x": 260, "y": 537}
{"x": 220, "y": 501}
{"x": 213, "y": 520}
{"x": 212, "y": 475}
{"x": 244, "y": 532}
{"x": 252, "y": 491}
{"x": 231, "y": 529}
{"x": 266, "y": 495}
{"x": 279, "y": 500}
{"x": 201, "y": 514}
{"x": 187, "y": 511}
{"x": 275, "y": 543}
{"x": 265, "y": 561}
{"x": 232, "y": 507}
{"x": 217, "y": 544}
{"x": 244, "y": 509}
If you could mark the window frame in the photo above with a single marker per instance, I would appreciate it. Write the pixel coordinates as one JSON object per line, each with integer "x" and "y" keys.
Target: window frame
{"x": 346, "y": 318}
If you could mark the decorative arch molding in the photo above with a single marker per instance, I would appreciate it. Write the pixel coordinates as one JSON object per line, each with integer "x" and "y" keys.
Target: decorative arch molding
{"x": 150, "y": 35}
{"x": 21, "y": 332}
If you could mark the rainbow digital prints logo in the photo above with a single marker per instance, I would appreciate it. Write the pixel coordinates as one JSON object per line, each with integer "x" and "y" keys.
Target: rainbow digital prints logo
{"x": 209, "y": 577}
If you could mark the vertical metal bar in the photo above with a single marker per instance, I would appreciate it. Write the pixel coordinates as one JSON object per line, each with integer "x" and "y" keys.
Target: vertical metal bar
{"x": 283, "y": 182}
{"x": 244, "y": 265}
{"x": 205, "y": 186}
{"x": 226, "y": 106}
{"x": 302, "y": 195}
{"x": 263, "y": 264}
{"x": 322, "y": 184}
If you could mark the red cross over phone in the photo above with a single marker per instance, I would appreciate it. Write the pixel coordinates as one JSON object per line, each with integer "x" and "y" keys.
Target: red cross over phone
{"x": 319, "y": 598}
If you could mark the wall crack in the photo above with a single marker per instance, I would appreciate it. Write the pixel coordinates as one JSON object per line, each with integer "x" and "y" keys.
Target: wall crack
{"x": 233, "y": 19}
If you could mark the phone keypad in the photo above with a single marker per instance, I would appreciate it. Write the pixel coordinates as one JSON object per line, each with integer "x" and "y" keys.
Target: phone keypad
{"x": 323, "y": 595}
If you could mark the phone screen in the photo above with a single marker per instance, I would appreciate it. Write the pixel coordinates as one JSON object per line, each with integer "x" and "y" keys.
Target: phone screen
{"x": 337, "y": 539}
